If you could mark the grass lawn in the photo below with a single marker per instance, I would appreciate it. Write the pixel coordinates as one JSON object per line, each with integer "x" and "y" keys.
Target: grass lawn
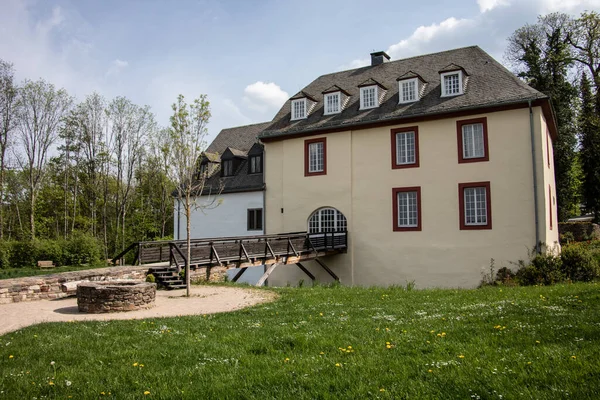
{"x": 320, "y": 343}
{"x": 21, "y": 272}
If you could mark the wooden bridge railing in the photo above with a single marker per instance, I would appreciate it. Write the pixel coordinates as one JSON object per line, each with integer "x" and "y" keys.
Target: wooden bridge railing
{"x": 239, "y": 251}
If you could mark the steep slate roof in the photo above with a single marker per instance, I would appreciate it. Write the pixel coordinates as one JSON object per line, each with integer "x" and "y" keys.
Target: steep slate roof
{"x": 240, "y": 137}
{"x": 239, "y": 140}
{"x": 489, "y": 84}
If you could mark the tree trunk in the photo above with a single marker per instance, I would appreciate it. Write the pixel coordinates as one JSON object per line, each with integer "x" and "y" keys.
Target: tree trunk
{"x": 32, "y": 214}
{"x": 188, "y": 211}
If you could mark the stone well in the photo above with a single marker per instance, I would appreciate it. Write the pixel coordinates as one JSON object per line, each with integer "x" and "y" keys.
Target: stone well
{"x": 106, "y": 297}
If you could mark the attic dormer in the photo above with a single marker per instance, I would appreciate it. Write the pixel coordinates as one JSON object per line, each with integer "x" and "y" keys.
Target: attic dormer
{"x": 371, "y": 94}
{"x": 453, "y": 80}
{"x": 335, "y": 100}
{"x": 208, "y": 164}
{"x": 231, "y": 161}
{"x": 410, "y": 87}
{"x": 302, "y": 105}
{"x": 255, "y": 159}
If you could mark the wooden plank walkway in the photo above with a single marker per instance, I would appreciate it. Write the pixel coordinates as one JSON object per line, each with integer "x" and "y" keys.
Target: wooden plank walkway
{"x": 240, "y": 252}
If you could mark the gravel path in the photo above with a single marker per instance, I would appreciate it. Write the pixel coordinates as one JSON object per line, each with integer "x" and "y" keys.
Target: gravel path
{"x": 203, "y": 300}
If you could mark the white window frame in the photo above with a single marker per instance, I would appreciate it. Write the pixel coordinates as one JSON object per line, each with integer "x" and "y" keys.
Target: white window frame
{"x": 405, "y": 148}
{"x": 313, "y": 166}
{"x": 476, "y": 207}
{"x": 414, "y": 81}
{"x": 316, "y": 221}
{"x": 472, "y": 142}
{"x": 375, "y": 98}
{"x": 293, "y": 105}
{"x": 460, "y": 83}
{"x": 326, "y": 103}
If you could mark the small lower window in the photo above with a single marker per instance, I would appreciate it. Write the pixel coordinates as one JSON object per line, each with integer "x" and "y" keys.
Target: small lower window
{"x": 475, "y": 205}
{"x": 407, "y": 208}
{"x": 255, "y": 219}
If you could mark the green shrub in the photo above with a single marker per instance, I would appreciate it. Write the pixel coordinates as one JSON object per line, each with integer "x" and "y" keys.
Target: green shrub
{"x": 24, "y": 254}
{"x": 150, "y": 278}
{"x": 579, "y": 264}
{"x": 567, "y": 237}
{"x": 52, "y": 250}
{"x": 6, "y": 249}
{"x": 543, "y": 269}
{"x": 82, "y": 249}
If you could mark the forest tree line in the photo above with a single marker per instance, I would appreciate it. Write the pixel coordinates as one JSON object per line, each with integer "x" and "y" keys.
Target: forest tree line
{"x": 101, "y": 167}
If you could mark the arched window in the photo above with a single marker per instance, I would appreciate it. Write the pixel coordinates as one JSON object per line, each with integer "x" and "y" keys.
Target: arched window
{"x": 326, "y": 220}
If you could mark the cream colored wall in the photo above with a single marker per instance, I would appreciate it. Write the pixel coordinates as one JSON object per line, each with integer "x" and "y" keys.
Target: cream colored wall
{"x": 359, "y": 183}
{"x": 548, "y": 236}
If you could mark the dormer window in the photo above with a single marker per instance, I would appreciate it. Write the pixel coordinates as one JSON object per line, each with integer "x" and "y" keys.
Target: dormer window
{"x": 409, "y": 90}
{"x": 452, "y": 83}
{"x": 298, "y": 109}
{"x": 255, "y": 164}
{"x": 368, "y": 97}
{"x": 228, "y": 168}
{"x": 332, "y": 103}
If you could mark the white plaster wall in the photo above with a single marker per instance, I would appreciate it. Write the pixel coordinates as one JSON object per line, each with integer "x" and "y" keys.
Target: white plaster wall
{"x": 229, "y": 218}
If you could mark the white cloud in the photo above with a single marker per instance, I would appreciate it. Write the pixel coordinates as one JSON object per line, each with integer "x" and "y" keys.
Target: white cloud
{"x": 116, "y": 66}
{"x": 261, "y": 96}
{"x": 488, "y": 5}
{"x": 423, "y": 35}
{"x": 547, "y": 6}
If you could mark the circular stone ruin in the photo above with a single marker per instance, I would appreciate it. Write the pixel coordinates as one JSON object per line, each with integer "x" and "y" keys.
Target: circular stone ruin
{"x": 106, "y": 297}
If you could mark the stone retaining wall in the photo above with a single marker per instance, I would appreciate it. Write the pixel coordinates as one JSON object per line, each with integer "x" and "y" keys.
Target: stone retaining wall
{"x": 54, "y": 286}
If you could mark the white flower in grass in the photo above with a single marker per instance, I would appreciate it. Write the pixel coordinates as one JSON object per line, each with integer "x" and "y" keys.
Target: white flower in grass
{"x": 68, "y": 383}
{"x": 52, "y": 363}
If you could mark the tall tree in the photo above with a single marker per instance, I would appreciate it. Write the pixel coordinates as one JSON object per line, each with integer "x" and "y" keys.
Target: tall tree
{"x": 41, "y": 109}
{"x": 584, "y": 38}
{"x": 541, "y": 55}
{"x": 187, "y": 141}
{"x": 130, "y": 127}
{"x": 589, "y": 128}
{"x": 8, "y": 100}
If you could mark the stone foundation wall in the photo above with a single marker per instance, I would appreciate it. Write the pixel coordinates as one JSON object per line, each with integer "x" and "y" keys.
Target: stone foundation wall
{"x": 106, "y": 297}
{"x": 55, "y": 286}
{"x": 217, "y": 274}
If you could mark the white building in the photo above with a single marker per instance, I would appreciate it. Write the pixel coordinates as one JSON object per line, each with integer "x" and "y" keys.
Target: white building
{"x": 234, "y": 187}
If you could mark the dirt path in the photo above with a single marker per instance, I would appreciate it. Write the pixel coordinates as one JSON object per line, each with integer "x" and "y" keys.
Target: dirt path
{"x": 204, "y": 300}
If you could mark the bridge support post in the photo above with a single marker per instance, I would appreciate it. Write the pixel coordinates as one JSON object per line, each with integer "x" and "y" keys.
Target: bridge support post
{"x": 307, "y": 272}
{"x": 326, "y": 268}
{"x": 265, "y": 276}
{"x": 239, "y": 274}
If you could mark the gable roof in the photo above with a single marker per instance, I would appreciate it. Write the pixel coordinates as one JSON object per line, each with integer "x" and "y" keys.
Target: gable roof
{"x": 234, "y": 142}
{"x": 489, "y": 85}
{"x": 240, "y": 137}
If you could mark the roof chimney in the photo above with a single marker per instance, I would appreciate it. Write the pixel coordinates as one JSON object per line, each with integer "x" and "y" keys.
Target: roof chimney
{"x": 379, "y": 57}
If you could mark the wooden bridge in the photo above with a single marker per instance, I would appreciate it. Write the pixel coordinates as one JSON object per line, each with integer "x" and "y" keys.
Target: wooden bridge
{"x": 242, "y": 252}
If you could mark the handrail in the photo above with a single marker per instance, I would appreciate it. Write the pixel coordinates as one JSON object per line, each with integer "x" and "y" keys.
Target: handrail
{"x": 234, "y": 250}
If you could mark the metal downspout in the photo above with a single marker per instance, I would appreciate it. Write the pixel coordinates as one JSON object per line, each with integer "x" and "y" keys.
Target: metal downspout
{"x": 178, "y": 219}
{"x": 535, "y": 189}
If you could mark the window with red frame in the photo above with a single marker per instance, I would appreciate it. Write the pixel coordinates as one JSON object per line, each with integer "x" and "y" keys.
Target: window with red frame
{"x": 475, "y": 206}
{"x": 406, "y": 208}
{"x": 405, "y": 147}
{"x": 472, "y": 140}
{"x": 315, "y": 157}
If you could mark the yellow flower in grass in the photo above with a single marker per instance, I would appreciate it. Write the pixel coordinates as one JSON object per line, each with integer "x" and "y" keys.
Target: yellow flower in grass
{"x": 382, "y": 390}
{"x": 286, "y": 360}
{"x": 537, "y": 341}
{"x": 102, "y": 393}
{"x": 135, "y": 364}
{"x": 51, "y": 383}
{"x": 146, "y": 393}
{"x": 338, "y": 364}
{"x": 430, "y": 370}
{"x": 573, "y": 357}
{"x": 461, "y": 356}
{"x": 321, "y": 353}
{"x": 11, "y": 356}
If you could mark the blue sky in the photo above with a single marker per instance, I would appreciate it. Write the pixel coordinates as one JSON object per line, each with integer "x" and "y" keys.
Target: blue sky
{"x": 247, "y": 56}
